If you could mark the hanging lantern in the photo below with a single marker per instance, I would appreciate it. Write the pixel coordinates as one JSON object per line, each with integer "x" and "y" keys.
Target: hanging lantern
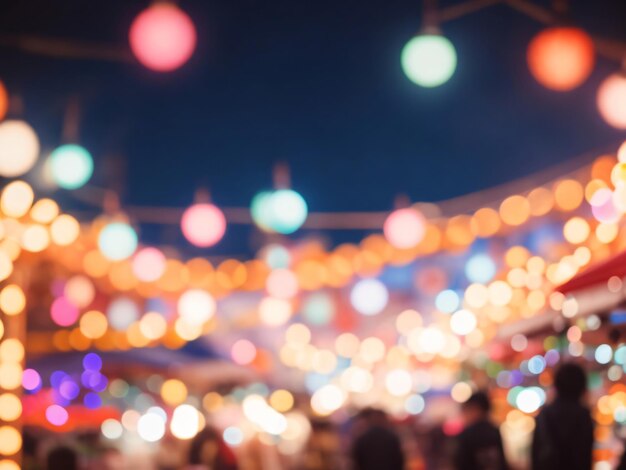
{"x": 203, "y": 225}
{"x": 4, "y": 101}
{"x": 71, "y": 166}
{"x": 612, "y": 100}
{"x": 405, "y": 228}
{"x": 162, "y": 37}
{"x": 429, "y": 60}
{"x": 561, "y": 58}
{"x": 19, "y": 148}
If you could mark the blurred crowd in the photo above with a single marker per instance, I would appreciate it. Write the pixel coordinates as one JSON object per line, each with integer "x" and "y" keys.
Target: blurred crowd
{"x": 563, "y": 439}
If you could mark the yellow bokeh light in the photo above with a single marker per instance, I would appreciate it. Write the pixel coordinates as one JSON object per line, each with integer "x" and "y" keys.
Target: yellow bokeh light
{"x": 93, "y": 324}
{"x": 541, "y": 201}
{"x": 44, "y": 211}
{"x": 153, "y": 325}
{"x": 95, "y": 264}
{"x": 485, "y": 222}
{"x": 568, "y": 195}
{"x": 281, "y": 400}
{"x": 64, "y": 230}
{"x": 408, "y": 320}
{"x": 10, "y": 407}
{"x": 576, "y": 230}
{"x": 592, "y": 187}
{"x": 607, "y": 233}
{"x": 173, "y": 392}
{"x": 515, "y": 210}
{"x": 297, "y": 334}
{"x": 274, "y": 312}
{"x": 10, "y": 376}
{"x": 516, "y": 256}
{"x": 6, "y": 266}
{"x": 476, "y": 295}
{"x": 12, "y": 300}
{"x": 9, "y": 465}
{"x": 16, "y": 199}
{"x": 135, "y": 336}
{"x": 11, "y": 350}
{"x": 372, "y": 349}
{"x": 461, "y": 392}
{"x": 347, "y": 345}
{"x": 10, "y": 440}
{"x": 212, "y": 402}
{"x": 35, "y": 238}
{"x": 187, "y": 331}
{"x": 500, "y": 293}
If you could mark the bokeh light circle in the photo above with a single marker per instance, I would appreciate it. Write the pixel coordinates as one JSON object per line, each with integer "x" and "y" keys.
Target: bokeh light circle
{"x": 19, "y": 148}
{"x": 196, "y": 306}
{"x": 56, "y": 415}
{"x": 151, "y": 427}
{"x": 149, "y": 264}
{"x": 404, "y": 228}
{"x": 611, "y": 100}
{"x": 162, "y": 37}
{"x": 369, "y": 297}
{"x": 71, "y": 166}
{"x": 203, "y": 225}
{"x": 429, "y": 60}
{"x": 4, "y": 101}
{"x": 63, "y": 312}
{"x": 122, "y": 312}
{"x": 117, "y": 241}
{"x": 561, "y": 58}
{"x": 480, "y": 268}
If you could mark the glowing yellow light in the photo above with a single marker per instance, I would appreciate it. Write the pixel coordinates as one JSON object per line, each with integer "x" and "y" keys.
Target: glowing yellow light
{"x": 516, "y": 257}
{"x": 1, "y": 329}
{"x": 10, "y": 376}
{"x": 212, "y": 402}
{"x": 93, "y": 324}
{"x": 515, "y": 210}
{"x": 10, "y": 407}
{"x": 281, "y": 400}
{"x": 44, "y": 211}
{"x": 187, "y": 331}
{"x": 297, "y": 334}
{"x": 274, "y": 312}
{"x": 173, "y": 392}
{"x": 153, "y": 325}
{"x": 35, "y": 238}
{"x": 408, "y": 320}
{"x": 11, "y": 350}
{"x": 476, "y": 295}
{"x": 568, "y": 195}
{"x": 576, "y": 230}
{"x": 16, "y": 199}
{"x": 541, "y": 201}
{"x": 324, "y": 362}
{"x": 347, "y": 345}
{"x": 185, "y": 422}
{"x": 607, "y": 233}
{"x": 12, "y": 300}
{"x": 592, "y": 187}
{"x": 10, "y": 440}
{"x": 398, "y": 382}
{"x": 327, "y": 400}
{"x": 500, "y": 293}
{"x": 372, "y": 349}
{"x": 6, "y": 266}
{"x": 80, "y": 291}
{"x": 485, "y": 222}
{"x": 64, "y": 230}
{"x": 9, "y": 465}
{"x": 461, "y": 392}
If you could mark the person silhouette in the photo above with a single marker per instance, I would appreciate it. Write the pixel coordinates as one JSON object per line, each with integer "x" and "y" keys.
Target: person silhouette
{"x": 377, "y": 446}
{"x": 479, "y": 446}
{"x": 563, "y": 435}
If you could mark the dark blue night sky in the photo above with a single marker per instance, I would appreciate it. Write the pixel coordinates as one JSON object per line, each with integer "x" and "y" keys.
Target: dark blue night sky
{"x": 315, "y": 84}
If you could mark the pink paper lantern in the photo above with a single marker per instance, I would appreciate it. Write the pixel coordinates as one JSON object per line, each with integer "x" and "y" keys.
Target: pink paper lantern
{"x": 162, "y": 37}
{"x": 203, "y": 225}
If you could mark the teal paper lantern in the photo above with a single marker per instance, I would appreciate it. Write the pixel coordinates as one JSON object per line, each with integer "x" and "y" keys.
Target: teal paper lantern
{"x": 429, "y": 60}
{"x": 117, "y": 241}
{"x": 71, "y": 166}
{"x": 261, "y": 209}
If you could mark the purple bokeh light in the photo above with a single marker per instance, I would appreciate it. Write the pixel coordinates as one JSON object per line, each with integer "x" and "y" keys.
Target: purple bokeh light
{"x": 92, "y": 362}
{"x": 31, "y": 380}
{"x": 92, "y": 400}
{"x": 56, "y": 415}
{"x": 69, "y": 389}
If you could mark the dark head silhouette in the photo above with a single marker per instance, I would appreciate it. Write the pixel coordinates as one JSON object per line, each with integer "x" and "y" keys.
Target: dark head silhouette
{"x": 62, "y": 457}
{"x": 570, "y": 382}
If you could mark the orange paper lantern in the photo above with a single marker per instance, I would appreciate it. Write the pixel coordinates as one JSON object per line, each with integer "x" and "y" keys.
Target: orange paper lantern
{"x": 561, "y": 58}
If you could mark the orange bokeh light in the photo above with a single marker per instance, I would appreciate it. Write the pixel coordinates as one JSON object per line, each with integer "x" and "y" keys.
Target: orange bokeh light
{"x": 4, "y": 101}
{"x": 561, "y": 58}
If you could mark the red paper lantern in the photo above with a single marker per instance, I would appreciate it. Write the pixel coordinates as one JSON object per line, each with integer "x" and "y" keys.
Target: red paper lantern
{"x": 561, "y": 58}
{"x": 163, "y": 37}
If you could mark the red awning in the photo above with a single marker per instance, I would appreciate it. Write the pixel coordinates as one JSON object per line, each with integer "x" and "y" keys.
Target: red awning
{"x": 597, "y": 274}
